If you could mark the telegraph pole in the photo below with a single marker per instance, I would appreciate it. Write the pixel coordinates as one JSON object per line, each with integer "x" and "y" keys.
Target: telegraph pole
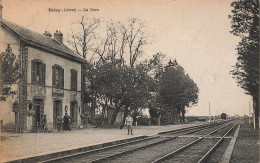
{"x": 209, "y": 113}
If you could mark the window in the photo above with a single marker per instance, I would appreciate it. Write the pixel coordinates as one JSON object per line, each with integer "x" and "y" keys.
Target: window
{"x": 73, "y": 81}
{"x": 57, "y": 77}
{"x": 38, "y": 72}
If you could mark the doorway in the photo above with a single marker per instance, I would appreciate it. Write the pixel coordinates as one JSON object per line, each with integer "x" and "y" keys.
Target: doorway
{"x": 73, "y": 114}
{"x": 39, "y": 112}
{"x": 57, "y": 110}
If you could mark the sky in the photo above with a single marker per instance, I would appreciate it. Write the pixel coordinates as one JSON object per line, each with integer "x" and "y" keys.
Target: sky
{"x": 194, "y": 32}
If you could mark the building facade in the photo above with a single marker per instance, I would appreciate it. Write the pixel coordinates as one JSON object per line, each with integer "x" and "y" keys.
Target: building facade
{"x": 50, "y": 82}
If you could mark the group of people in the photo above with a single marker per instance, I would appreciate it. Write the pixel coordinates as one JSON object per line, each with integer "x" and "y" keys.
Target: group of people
{"x": 65, "y": 124}
{"x": 61, "y": 123}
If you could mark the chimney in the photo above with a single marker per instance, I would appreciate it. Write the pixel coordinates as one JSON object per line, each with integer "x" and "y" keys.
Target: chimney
{"x": 58, "y": 36}
{"x": 1, "y": 10}
{"x": 47, "y": 34}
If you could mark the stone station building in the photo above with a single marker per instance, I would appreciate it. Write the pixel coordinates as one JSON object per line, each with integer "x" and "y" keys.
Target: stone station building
{"x": 50, "y": 82}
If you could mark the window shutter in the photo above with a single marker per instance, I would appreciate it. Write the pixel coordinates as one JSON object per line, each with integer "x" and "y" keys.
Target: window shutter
{"x": 53, "y": 77}
{"x": 43, "y": 73}
{"x": 62, "y": 78}
{"x": 71, "y": 79}
{"x": 75, "y": 80}
{"x": 33, "y": 75}
{"x": 40, "y": 72}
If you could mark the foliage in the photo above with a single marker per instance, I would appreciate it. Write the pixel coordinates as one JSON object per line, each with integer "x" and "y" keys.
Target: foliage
{"x": 245, "y": 24}
{"x": 154, "y": 121}
{"x": 116, "y": 79}
{"x": 168, "y": 116}
{"x": 99, "y": 120}
{"x": 153, "y": 111}
{"x": 123, "y": 86}
{"x": 155, "y": 68}
{"x": 9, "y": 72}
{"x": 177, "y": 89}
{"x": 143, "y": 121}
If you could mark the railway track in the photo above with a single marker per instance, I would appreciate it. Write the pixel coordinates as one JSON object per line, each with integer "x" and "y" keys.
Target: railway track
{"x": 196, "y": 153}
{"x": 164, "y": 147}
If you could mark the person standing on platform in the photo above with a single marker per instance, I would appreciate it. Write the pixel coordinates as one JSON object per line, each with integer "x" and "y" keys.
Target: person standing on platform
{"x": 59, "y": 122}
{"x": 66, "y": 122}
{"x": 44, "y": 124}
{"x": 129, "y": 123}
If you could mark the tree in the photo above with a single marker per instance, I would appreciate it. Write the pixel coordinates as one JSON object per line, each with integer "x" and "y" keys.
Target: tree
{"x": 189, "y": 95}
{"x": 245, "y": 25}
{"x": 176, "y": 90}
{"x": 141, "y": 90}
{"x": 114, "y": 76}
{"x": 119, "y": 50}
{"x": 82, "y": 40}
{"x": 123, "y": 87}
{"x": 136, "y": 39}
{"x": 123, "y": 41}
{"x": 155, "y": 68}
{"x": 9, "y": 72}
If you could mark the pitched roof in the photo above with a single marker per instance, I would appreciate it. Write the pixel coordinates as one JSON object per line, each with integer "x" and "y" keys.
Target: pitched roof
{"x": 42, "y": 41}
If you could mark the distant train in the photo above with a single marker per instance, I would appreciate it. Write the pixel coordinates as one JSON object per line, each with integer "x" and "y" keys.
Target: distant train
{"x": 223, "y": 116}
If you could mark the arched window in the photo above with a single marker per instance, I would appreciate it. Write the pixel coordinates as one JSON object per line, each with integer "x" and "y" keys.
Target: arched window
{"x": 38, "y": 71}
{"x": 57, "y": 77}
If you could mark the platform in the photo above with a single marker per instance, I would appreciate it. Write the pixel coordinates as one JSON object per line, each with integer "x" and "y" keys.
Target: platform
{"x": 18, "y": 146}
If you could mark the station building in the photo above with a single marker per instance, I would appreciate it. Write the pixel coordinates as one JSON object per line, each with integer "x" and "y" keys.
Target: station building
{"x": 50, "y": 82}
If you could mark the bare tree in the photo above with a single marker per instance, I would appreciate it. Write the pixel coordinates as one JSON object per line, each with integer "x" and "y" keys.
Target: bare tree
{"x": 82, "y": 40}
{"x": 123, "y": 41}
{"x": 112, "y": 47}
{"x": 136, "y": 39}
{"x": 117, "y": 48}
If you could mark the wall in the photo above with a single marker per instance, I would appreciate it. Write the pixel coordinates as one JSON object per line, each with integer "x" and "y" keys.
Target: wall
{"x": 6, "y": 113}
{"x": 46, "y": 92}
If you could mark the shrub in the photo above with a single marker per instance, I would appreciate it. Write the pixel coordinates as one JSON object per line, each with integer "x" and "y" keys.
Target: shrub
{"x": 154, "y": 121}
{"x": 143, "y": 120}
{"x": 99, "y": 120}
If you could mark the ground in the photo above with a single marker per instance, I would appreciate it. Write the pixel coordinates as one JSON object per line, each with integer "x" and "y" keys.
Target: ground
{"x": 15, "y": 146}
{"x": 247, "y": 145}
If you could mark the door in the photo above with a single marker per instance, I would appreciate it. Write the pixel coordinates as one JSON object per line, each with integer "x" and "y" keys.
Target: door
{"x": 57, "y": 110}
{"x": 39, "y": 112}
{"x": 73, "y": 114}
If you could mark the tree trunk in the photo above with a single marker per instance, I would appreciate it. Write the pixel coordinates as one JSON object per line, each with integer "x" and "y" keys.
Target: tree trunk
{"x": 256, "y": 110}
{"x": 114, "y": 115}
{"x": 135, "y": 114}
{"x": 105, "y": 112}
{"x": 93, "y": 107}
{"x": 183, "y": 116}
{"x": 94, "y": 110}
{"x": 159, "y": 119}
{"x": 174, "y": 118}
{"x": 125, "y": 114}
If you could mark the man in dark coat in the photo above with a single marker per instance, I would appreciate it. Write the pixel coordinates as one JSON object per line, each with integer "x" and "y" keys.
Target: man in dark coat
{"x": 66, "y": 122}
